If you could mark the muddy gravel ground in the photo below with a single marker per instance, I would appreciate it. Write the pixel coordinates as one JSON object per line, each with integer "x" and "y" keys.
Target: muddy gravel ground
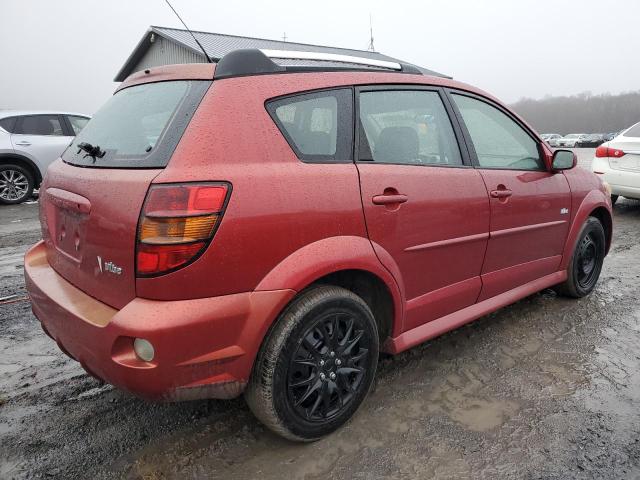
{"x": 548, "y": 388}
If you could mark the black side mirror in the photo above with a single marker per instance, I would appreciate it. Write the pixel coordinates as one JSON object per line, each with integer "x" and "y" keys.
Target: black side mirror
{"x": 563, "y": 160}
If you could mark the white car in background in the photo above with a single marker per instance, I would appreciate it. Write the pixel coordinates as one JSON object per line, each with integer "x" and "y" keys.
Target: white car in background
{"x": 618, "y": 161}
{"x": 570, "y": 140}
{"x": 29, "y": 142}
{"x": 551, "y": 138}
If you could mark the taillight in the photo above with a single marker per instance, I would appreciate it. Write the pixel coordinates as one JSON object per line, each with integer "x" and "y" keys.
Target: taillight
{"x": 176, "y": 224}
{"x": 603, "y": 151}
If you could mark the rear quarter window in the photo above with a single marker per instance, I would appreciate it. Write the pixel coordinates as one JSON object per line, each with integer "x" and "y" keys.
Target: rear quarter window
{"x": 77, "y": 123}
{"x": 8, "y": 124}
{"x": 633, "y": 131}
{"x": 318, "y": 126}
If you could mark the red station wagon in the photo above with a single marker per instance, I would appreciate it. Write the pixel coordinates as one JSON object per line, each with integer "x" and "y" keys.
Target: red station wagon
{"x": 268, "y": 229}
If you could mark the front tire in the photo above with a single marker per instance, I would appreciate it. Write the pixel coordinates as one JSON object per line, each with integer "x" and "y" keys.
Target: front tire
{"x": 586, "y": 261}
{"x": 316, "y": 366}
{"x": 16, "y": 184}
{"x": 614, "y": 199}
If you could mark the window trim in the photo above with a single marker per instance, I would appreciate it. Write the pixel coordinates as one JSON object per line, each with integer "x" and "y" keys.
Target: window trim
{"x": 458, "y": 133}
{"x": 344, "y": 143}
{"x": 449, "y": 92}
{"x": 20, "y": 120}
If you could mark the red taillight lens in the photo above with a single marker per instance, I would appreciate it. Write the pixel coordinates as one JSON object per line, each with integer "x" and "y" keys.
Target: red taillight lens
{"x": 604, "y": 151}
{"x": 176, "y": 225}
{"x": 154, "y": 259}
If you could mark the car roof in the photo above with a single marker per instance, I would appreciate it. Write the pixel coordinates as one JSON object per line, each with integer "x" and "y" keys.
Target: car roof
{"x": 303, "y": 81}
{"x": 17, "y": 113}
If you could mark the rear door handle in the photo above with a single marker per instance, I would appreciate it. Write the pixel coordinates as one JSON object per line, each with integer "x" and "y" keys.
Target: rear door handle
{"x": 389, "y": 199}
{"x": 23, "y": 143}
{"x": 501, "y": 193}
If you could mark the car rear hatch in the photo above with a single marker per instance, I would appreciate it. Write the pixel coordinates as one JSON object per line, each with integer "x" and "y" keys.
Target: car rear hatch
{"x": 91, "y": 199}
{"x": 626, "y": 154}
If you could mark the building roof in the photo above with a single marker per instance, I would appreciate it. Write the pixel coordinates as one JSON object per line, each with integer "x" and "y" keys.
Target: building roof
{"x": 218, "y": 45}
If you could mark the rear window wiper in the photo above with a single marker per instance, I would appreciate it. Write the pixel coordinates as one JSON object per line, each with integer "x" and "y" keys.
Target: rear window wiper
{"x": 91, "y": 151}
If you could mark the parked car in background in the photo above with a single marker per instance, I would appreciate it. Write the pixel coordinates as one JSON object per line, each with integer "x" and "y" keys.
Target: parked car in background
{"x": 570, "y": 140}
{"x": 29, "y": 142}
{"x": 220, "y": 229}
{"x": 551, "y": 138}
{"x": 592, "y": 140}
{"x": 618, "y": 162}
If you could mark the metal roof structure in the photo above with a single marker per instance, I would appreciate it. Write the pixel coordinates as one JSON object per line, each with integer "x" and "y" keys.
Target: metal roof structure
{"x": 179, "y": 47}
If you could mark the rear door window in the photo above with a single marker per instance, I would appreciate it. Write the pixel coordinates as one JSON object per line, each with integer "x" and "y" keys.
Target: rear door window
{"x": 409, "y": 127}
{"x": 40, "y": 125}
{"x": 140, "y": 126}
{"x": 318, "y": 126}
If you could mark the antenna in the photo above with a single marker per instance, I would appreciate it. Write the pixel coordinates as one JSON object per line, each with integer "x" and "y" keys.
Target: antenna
{"x": 192, "y": 35}
{"x": 371, "y": 48}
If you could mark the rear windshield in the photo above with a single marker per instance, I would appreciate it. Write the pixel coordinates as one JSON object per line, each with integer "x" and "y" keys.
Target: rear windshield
{"x": 140, "y": 126}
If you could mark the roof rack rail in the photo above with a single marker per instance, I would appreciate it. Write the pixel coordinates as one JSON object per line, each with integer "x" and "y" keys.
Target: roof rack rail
{"x": 253, "y": 61}
{"x": 330, "y": 57}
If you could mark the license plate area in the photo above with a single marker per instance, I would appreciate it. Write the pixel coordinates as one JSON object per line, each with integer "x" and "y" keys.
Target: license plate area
{"x": 68, "y": 215}
{"x": 69, "y": 233}
{"x": 629, "y": 162}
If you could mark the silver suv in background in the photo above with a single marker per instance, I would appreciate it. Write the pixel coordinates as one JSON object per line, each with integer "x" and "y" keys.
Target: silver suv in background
{"x": 29, "y": 142}
{"x": 571, "y": 140}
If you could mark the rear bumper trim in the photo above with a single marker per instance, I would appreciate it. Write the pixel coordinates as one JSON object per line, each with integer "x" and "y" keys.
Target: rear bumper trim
{"x": 205, "y": 348}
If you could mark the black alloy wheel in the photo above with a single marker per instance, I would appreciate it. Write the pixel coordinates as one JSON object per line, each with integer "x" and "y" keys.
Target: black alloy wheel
{"x": 316, "y": 365}
{"x": 328, "y": 367}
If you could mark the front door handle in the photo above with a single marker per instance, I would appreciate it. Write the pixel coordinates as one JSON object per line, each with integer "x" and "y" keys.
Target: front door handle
{"x": 23, "y": 143}
{"x": 389, "y": 199}
{"x": 501, "y": 193}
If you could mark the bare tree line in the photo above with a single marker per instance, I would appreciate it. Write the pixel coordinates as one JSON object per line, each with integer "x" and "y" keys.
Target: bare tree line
{"x": 583, "y": 113}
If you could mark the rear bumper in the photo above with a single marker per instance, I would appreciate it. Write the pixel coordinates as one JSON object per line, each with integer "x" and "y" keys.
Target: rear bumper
{"x": 204, "y": 348}
{"x": 623, "y": 182}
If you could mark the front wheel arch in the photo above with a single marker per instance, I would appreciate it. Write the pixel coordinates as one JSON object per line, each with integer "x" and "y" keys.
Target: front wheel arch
{"x": 595, "y": 204}
{"x": 604, "y": 216}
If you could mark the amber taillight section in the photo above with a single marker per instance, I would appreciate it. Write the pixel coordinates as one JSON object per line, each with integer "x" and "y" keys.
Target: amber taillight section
{"x": 177, "y": 223}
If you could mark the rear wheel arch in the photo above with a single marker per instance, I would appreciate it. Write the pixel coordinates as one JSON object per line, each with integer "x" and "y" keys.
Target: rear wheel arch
{"x": 326, "y": 260}
{"x": 370, "y": 288}
{"x": 15, "y": 159}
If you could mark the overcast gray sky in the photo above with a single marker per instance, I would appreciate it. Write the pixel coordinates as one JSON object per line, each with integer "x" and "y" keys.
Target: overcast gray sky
{"x": 64, "y": 54}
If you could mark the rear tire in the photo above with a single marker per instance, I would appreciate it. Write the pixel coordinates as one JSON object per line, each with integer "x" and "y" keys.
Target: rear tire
{"x": 614, "y": 199}
{"x": 586, "y": 261}
{"x": 316, "y": 366}
{"x": 16, "y": 184}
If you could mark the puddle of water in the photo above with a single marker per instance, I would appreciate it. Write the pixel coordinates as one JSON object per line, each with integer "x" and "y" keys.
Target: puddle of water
{"x": 477, "y": 413}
